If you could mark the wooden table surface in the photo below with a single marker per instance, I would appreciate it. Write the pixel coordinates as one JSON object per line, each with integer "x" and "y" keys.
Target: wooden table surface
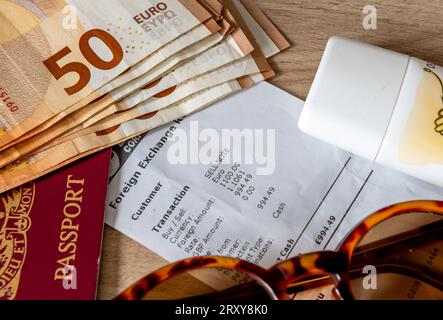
{"x": 411, "y": 27}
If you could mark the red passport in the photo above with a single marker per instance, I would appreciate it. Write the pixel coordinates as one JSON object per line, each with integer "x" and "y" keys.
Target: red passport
{"x": 51, "y": 233}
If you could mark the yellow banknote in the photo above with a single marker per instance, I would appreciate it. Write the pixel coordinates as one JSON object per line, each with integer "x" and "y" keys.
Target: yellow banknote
{"x": 270, "y": 42}
{"x": 51, "y": 65}
{"x": 230, "y": 49}
{"x": 70, "y": 121}
{"x": 182, "y": 101}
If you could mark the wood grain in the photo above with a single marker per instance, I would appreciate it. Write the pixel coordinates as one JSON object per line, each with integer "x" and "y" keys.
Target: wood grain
{"x": 411, "y": 27}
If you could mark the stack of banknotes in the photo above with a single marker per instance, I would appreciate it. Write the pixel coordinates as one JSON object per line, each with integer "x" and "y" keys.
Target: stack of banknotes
{"x": 79, "y": 76}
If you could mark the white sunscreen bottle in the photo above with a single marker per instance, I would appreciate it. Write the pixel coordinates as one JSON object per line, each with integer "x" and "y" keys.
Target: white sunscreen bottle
{"x": 380, "y": 105}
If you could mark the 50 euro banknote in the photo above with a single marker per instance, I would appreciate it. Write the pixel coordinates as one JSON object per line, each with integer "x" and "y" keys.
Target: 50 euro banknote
{"x": 67, "y": 120}
{"x": 51, "y": 65}
{"x": 237, "y": 70}
{"x": 267, "y": 37}
{"x": 187, "y": 45}
{"x": 186, "y": 98}
{"x": 233, "y": 47}
{"x": 209, "y": 55}
{"x": 254, "y": 17}
{"x": 165, "y": 58}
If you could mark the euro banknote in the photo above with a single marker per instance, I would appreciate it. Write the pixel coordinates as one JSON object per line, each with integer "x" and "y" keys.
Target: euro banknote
{"x": 233, "y": 47}
{"x": 53, "y": 64}
{"x": 187, "y": 94}
{"x": 69, "y": 121}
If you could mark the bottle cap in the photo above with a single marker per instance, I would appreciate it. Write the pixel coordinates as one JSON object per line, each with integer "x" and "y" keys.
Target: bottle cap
{"x": 353, "y": 95}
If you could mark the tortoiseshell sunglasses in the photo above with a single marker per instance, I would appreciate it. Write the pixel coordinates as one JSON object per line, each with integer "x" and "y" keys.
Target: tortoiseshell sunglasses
{"x": 396, "y": 253}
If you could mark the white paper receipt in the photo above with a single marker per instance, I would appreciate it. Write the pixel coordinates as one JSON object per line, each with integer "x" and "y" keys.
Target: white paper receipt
{"x": 181, "y": 192}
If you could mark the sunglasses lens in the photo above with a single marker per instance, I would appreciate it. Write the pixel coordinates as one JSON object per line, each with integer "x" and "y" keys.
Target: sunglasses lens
{"x": 208, "y": 285}
{"x": 400, "y": 258}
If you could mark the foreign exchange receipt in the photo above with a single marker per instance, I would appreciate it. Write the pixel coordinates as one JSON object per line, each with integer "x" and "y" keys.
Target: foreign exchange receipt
{"x": 314, "y": 196}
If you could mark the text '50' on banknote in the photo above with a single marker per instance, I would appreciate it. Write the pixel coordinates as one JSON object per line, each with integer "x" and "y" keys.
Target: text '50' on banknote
{"x": 51, "y": 62}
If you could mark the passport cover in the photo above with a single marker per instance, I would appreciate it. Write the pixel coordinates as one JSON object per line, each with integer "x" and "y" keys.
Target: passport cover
{"x": 51, "y": 233}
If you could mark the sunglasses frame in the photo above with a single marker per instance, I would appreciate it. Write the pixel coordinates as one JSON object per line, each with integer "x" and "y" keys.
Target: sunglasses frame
{"x": 275, "y": 280}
